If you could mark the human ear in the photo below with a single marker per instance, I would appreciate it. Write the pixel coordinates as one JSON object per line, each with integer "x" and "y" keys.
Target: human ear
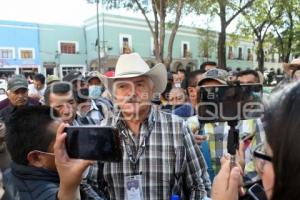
{"x": 35, "y": 159}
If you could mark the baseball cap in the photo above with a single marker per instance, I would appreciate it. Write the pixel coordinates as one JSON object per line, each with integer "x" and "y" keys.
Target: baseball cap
{"x": 92, "y": 74}
{"x": 110, "y": 73}
{"x": 73, "y": 76}
{"x": 52, "y": 78}
{"x": 17, "y": 82}
{"x": 216, "y": 74}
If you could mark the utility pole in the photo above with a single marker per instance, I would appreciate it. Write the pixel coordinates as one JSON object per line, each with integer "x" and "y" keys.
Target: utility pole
{"x": 98, "y": 33}
{"x": 98, "y": 37}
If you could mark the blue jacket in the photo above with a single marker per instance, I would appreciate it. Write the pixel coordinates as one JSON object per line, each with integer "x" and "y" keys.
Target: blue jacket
{"x": 30, "y": 183}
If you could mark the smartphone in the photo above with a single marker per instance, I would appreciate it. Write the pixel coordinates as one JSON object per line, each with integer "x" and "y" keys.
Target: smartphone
{"x": 93, "y": 143}
{"x": 228, "y": 103}
{"x": 257, "y": 192}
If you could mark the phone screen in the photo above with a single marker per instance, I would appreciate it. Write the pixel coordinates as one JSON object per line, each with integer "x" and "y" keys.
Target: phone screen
{"x": 93, "y": 143}
{"x": 227, "y": 103}
{"x": 257, "y": 192}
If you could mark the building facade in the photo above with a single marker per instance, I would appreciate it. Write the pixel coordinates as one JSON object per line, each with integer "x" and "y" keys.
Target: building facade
{"x": 62, "y": 49}
{"x": 19, "y": 48}
{"x": 58, "y": 49}
{"x": 121, "y": 34}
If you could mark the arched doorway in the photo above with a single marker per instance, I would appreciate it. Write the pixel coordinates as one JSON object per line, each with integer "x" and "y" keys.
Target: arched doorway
{"x": 190, "y": 66}
{"x": 176, "y": 65}
{"x": 150, "y": 63}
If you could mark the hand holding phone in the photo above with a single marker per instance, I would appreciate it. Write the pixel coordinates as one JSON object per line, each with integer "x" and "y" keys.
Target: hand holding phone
{"x": 94, "y": 143}
{"x": 257, "y": 192}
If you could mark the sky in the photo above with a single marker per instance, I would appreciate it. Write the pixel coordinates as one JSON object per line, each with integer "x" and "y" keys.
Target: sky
{"x": 68, "y": 12}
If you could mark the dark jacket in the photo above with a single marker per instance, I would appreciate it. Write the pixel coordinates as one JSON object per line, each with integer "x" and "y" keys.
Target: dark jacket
{"x": 6, "y": 108}
{"x": 30, "y": 183}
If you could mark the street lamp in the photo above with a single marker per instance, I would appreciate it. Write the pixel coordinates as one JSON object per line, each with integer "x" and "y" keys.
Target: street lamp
{"x": 98, "y": 32}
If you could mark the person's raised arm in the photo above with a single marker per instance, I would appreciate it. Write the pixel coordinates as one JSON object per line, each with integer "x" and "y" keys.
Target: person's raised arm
{"x": 69, "y": 170}
{"x": 226, "y": 183}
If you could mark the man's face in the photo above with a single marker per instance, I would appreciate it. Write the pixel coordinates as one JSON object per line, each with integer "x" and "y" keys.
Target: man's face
{"x": 37, "y": 84}
{"x": 192, "y": 90}
{"x": 47, "y": 159}
{"x": 94, "y": 81}
{"x": 246, "y": 79}
{"x": 65, "y": 105}
{"x": 208, "y": 67}
{"x": 177, "y": 97}
{"x": 181, "y": 76}
{"x": 78, "y": 84}
{"x": 176, "y": 80}
{"x": 18, "y": 97}
{"x": 133, "y": 95}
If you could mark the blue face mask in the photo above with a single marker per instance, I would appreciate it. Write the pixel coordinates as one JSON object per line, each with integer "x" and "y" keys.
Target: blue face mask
{"x": 95, "y": 91}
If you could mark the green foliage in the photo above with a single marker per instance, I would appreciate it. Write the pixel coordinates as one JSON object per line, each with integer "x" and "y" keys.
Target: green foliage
{"x": 208, "y": 42}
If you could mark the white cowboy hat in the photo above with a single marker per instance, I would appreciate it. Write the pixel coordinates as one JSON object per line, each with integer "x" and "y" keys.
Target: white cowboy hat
{"x": 132, "y": 65}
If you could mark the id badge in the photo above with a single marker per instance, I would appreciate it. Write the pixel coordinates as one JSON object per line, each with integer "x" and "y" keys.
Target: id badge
{"x": 134, "y": 187}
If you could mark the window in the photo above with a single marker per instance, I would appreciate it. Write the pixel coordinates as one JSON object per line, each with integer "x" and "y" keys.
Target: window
{"x": 240, "y": 53}
{"x": 7, "y": 53}
{"x": 249, "y": 55}
{"x": 125, "y": 44}
{"x": 145, "y": 2}
{"x": 273, "y": 58}
{"x": 230, "y": 53}
{"x": 116, "y": 3}
{"x": 185, "y": 50}
{"x": 152, "y": 47}
{"x": 26, "y": 53}
{"x": 68, "y": 47}
{"x": 67, "y": 69}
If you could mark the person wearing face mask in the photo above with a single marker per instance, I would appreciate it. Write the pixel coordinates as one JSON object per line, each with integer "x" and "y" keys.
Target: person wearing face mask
{"x": 96, "y": 90}
{"x": 94, "y": 84}
{"x": 95, "y": 99}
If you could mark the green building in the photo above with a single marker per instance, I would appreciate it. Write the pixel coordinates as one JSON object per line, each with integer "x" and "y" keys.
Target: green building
{"x": 67, "y": 48}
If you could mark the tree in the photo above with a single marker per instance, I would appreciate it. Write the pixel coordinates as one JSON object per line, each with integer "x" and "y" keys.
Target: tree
{"x": 207, "y": 43}
{"x": 285, "y": 29}
{"x": 222, "y": 8}
{"x": 159, "y": 10}
{"x": 258, "y": 19}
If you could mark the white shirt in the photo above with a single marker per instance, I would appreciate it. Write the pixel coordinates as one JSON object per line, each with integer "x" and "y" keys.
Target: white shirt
{"x": 32, "y": 91}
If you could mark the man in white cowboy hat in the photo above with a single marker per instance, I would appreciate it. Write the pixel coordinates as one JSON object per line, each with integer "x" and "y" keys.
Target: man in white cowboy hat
{"x": 291, "y": 74}
{"x": 160, "y": 156}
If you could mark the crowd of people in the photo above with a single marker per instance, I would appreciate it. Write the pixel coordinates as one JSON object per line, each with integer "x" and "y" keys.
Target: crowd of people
{"x": 168, "y": 153}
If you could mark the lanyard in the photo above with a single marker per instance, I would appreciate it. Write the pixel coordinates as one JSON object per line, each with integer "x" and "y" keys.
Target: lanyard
{"x": 134, "y": 159}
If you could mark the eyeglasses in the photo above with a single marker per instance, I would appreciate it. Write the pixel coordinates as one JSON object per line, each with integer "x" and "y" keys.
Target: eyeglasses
{"x": 260, "y": 158}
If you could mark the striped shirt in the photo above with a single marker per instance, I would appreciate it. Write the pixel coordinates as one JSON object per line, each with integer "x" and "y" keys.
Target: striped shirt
{"x": 171, "y": 162}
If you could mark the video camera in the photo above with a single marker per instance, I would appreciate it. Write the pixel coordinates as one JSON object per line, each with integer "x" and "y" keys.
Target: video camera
{"x": 229, "y": 102}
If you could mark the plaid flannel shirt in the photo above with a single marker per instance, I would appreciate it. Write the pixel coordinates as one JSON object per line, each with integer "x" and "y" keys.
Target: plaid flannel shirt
{"x": 170, "y": 152}
{"x": 217, "y": 138}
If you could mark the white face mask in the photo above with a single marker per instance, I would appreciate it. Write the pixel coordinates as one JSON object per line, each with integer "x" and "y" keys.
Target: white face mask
{"x": 177, "y": 85}
{"x": 95, "y": 91}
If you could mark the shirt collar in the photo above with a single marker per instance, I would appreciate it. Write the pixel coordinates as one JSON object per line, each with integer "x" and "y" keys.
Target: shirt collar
{"x": 151, "y": 119}
{"x": 93, "y": 105}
